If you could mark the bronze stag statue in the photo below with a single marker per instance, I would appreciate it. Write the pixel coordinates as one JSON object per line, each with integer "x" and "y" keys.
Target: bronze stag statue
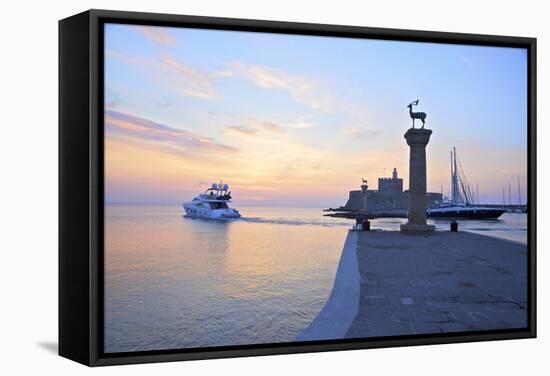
{"x": 416, "y": 115}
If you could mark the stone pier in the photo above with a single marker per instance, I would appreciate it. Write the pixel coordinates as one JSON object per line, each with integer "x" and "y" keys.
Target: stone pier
{"x": 417, "y": 139}
{"x": 388, "y": 285}
{"x": 442, "y": 283}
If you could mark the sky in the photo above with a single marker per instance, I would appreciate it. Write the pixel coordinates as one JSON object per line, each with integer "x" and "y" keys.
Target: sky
{"x": 299, "y": 120}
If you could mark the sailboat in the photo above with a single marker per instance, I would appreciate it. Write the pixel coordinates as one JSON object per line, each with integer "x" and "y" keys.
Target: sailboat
{"x": 462, "y": 204}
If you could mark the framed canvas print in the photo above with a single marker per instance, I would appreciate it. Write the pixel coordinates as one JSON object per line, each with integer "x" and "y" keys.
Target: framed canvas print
{"x": 236, "y": 187}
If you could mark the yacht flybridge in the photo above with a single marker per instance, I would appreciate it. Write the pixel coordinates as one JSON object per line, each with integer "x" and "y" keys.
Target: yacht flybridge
{"x": 212, "y": 204}
{"x": 462, "y": 204}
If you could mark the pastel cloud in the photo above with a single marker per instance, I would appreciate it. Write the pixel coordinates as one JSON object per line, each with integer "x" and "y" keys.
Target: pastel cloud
{"x": 358, "y": 132}
{"x": 173, "y": 74}
{"x": 145, "y": 158}
{"x": 269, "y": 125}
{"x": 300, "y": 88}
{"x": 157, "y": 34}
{"x": 272, "y": 161}
{"x": 241, "y": 129}
{"x": 299, "y": 124}
{"x": 186, "y": 79}
{"x": 159, "y": 136}
{"x": 253, "y": 127}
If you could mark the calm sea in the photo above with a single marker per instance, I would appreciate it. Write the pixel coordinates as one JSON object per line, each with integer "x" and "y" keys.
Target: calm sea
{"x": 174, "y": 282}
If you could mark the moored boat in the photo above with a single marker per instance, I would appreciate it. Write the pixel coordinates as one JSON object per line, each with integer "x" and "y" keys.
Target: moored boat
{"x": 462, "y": 204}
{"x": 461, "y": 211}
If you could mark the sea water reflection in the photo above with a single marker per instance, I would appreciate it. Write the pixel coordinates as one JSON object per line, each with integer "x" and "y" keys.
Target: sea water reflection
{"x": 175, "y": 282}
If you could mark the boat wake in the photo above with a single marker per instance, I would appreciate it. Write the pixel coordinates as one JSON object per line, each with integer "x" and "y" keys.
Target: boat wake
{"x": 294, "y": 222}
{"x": 277, "y": 221}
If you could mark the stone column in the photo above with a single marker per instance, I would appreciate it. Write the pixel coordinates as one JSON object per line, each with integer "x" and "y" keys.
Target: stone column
{"x": 417, "y": 139}
{"x": 364, "y": 206}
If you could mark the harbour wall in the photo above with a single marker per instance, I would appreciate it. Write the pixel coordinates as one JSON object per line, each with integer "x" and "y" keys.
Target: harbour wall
{"x": 382, "y": 201}
{"x": 390, "y": 283}
{"x": 342, "y": 305}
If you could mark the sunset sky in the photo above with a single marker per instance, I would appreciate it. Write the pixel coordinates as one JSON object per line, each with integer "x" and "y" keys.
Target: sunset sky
{"x": 299, "y": 120}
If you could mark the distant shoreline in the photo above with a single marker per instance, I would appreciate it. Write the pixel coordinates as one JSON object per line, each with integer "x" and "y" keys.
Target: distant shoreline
{"x": 370, "y": 215}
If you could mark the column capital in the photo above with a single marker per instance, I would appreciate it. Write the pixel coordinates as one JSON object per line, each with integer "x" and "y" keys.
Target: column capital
{"x": 418, "y": 136}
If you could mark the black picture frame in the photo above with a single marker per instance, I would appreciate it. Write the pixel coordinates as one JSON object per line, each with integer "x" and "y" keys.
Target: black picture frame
{"x": 81, "y": 185}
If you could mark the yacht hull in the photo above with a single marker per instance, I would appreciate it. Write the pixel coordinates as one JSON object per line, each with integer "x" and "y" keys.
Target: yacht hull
{"x": 198, "y": 212}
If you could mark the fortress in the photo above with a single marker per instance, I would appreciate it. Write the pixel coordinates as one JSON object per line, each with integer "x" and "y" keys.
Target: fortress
{"x": 389, "y": 196}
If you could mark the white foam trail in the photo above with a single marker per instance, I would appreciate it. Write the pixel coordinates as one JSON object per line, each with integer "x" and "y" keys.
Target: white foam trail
{"x": 295, "y": 222}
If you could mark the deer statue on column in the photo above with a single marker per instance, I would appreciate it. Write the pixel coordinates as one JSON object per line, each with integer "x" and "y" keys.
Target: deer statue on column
{"x": 416, "y": 115}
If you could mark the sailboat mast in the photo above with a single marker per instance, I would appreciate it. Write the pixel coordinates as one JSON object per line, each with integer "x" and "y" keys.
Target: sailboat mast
{"x": 509, "y": 194}
{"x": 519, "y": 193}
{"x": 452, "y": 180}
{"x": 455, "y": 178}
